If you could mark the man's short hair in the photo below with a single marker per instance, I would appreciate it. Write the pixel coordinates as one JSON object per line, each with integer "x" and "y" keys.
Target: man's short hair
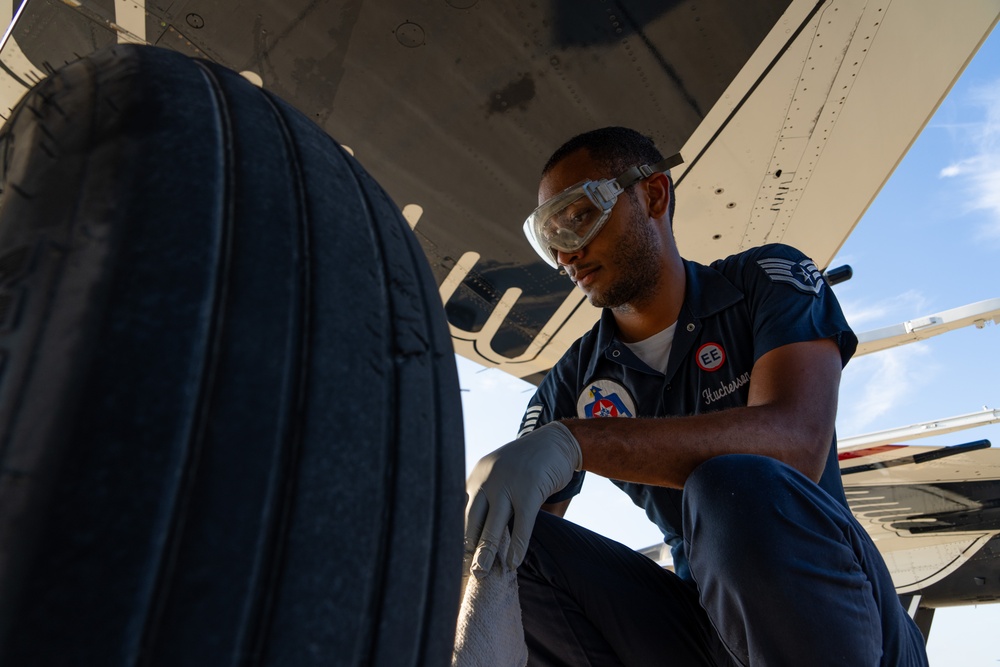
{"x": 615, "y": 149}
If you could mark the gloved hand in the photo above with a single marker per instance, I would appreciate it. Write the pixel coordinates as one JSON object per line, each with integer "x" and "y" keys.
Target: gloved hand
{"x": 515, "y": 479}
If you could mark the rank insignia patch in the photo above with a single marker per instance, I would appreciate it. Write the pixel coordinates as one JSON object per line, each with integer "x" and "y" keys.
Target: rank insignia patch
{"x": 803, "y": 275}
{"x": 605, "y": 398}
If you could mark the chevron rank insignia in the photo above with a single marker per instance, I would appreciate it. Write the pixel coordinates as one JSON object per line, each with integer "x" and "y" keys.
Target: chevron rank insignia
{"x": 803, "y": 275}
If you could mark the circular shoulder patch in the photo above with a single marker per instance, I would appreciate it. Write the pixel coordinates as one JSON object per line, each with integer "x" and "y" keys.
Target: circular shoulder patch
{"x": 605, "y": 398}
{"x": 710, "y": 357}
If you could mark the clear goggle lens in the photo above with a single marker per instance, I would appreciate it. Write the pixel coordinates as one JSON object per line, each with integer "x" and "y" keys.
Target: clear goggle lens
{"x": 571, "y": 219}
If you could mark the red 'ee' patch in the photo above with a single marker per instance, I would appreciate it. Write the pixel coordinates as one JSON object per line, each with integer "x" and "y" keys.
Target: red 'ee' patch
{"x": 710, "y": 357}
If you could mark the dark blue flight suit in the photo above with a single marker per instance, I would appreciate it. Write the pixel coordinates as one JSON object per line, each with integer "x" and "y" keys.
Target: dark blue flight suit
{"x": 771, "y": 568}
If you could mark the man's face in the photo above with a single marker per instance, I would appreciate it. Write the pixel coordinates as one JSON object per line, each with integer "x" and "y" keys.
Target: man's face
{"x": 621, "y": 264}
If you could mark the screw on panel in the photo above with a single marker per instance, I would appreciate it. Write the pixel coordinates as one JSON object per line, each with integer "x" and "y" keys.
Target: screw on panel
{"x": 409, "y": 35}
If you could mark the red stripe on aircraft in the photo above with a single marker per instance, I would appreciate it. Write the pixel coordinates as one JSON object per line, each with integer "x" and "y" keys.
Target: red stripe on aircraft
{"x": 870, "y": 451}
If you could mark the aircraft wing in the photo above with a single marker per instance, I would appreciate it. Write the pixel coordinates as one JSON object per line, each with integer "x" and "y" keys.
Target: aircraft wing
{"x": 934, "y": 515}
{"x": 791, "y": 115}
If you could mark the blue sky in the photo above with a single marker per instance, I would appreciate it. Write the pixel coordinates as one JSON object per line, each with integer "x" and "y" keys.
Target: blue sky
{"x": 929, "y": 242}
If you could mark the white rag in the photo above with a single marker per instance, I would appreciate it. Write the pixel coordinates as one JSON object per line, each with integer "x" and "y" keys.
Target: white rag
{"x": 490, "y": 633}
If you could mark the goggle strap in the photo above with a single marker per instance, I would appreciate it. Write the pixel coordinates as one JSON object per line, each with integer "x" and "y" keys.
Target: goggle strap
{"x": 609, "y": 190}
{"x": 669, "y": 162}
{"x": 636, "y": 174}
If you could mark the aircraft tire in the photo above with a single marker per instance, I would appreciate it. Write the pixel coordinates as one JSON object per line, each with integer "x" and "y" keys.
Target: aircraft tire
{"x": 230, "y": 423}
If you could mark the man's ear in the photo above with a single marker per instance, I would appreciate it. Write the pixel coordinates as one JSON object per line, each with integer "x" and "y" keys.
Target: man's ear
{"x": 658, "y": 191}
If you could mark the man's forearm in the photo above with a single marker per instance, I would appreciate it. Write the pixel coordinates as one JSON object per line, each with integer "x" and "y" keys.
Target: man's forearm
{"x": 790, "y": 415}
{"x": 664, "y": 451}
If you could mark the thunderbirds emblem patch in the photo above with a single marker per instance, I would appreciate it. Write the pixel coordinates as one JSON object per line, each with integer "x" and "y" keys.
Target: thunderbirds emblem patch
{"x": 605, "y": 398}
{"x": 803, "y": 275}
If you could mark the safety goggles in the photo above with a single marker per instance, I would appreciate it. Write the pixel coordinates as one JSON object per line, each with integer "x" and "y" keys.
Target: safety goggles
{"x": 571, "y": 219}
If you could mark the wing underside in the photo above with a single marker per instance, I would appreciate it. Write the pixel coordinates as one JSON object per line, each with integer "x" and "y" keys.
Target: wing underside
{"x": 454, "y": 106}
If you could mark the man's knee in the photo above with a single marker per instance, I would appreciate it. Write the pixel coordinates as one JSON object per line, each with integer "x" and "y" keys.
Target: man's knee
{"x": 735, "y": 488}
{"x": 735, "y": 509}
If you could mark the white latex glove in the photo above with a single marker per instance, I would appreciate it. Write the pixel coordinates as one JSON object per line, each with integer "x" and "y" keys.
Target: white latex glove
{"x": 515, "y": 479}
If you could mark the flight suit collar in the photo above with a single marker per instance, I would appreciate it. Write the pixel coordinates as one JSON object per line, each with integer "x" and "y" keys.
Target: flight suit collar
{"x": 707, "y": 292}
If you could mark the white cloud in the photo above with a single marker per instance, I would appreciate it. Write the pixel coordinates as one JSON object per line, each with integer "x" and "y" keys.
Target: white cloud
{"x": 877, "y": 385}
{"x": 980, "y": 172}
{"x": 864, "y": 314}
{"x": 987, "y": 187}
{"x": 960, "y": 168}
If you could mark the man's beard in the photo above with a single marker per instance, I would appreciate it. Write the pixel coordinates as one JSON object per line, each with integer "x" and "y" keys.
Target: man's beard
{"x": 638, "y": 259}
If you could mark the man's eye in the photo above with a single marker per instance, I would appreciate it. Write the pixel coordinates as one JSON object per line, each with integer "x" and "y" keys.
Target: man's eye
{"x": 580, "y": 216}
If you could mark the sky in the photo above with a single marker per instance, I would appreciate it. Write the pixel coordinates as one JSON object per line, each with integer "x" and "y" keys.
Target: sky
{"x": 929, "y": 242}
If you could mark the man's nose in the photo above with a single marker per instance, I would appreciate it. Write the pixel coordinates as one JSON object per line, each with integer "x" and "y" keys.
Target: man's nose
{"x": 564, "y": 258}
